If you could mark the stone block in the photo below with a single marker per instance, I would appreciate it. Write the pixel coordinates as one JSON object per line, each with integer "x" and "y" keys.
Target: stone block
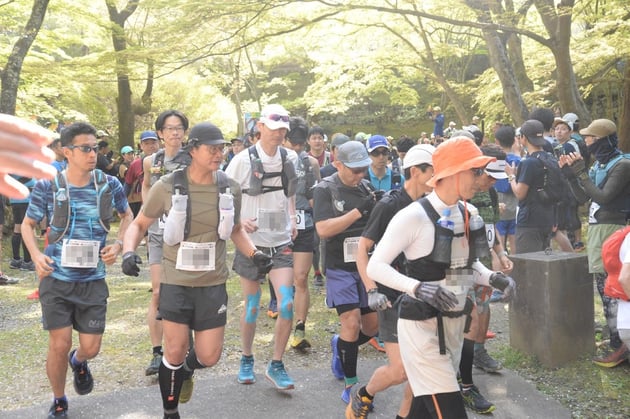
{"x": 552, "y": 316}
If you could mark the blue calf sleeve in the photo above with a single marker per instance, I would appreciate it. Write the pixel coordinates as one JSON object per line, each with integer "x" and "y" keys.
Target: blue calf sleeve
{"x": 251, "y": 306}
{"x": 286, "y": 306}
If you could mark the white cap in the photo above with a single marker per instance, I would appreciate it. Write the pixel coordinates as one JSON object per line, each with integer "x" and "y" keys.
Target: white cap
{"x": 419, "y": 154}
{"x": 496, "y": 169}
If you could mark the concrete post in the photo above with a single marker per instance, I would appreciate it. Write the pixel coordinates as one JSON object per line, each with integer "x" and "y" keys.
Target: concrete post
{"x": 552, "y": 316}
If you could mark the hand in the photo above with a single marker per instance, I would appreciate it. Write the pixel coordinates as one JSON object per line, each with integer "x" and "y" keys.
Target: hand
{"x": 179, "y": 202}
{"x": 130, "y": 264}
{"x": 504, "y": 283}
{"x": 439, "y": 297}
{"x": 366, "y": 205}
{"x": 24, "y": 152}
{"x": 263, "y": 262}
{"x": 377, "y": 301}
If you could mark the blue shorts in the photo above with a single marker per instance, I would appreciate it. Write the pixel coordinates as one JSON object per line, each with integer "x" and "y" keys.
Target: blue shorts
{"x": 506, "y": 227}
{"x": 345, "y": 288}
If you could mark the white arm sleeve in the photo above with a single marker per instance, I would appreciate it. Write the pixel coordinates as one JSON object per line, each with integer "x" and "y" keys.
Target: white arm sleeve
{"x": 481, "y": 274}
{"x": 408, "y": 232}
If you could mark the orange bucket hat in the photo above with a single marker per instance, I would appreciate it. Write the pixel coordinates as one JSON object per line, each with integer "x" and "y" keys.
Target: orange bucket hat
{"x": 456, "y": 155}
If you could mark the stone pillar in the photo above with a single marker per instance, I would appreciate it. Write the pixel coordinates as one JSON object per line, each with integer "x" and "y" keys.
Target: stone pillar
{"x": 552, "y": 316}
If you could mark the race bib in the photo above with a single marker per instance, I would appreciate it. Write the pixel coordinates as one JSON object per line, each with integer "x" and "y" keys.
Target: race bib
{"x": 196, "y": 256}
{"x": 271, "y": 221}
{"x": 350, "y": 247}
{"x": 592, "y": 210}
{"x": 79, "y": 253}
{"x": 300, "y": 221}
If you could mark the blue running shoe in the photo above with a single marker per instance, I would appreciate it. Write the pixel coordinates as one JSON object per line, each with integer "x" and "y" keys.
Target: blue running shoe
{"x": 335, "y": 365}
{"x": 246, "y": 371}
{"x": 278, "y": 376}
{"x": 347, "y": 392}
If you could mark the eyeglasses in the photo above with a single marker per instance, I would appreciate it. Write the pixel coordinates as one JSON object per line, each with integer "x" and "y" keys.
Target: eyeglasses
{"x": 174, "y": 129}
{"x": 478, "y": 171}
{"x": 357, "y": 170}
{"x": 376, "y": 153}
{"x": 276, "y": 117}
{"x": 84, "y": 148}
{"x": 215, "y": 149}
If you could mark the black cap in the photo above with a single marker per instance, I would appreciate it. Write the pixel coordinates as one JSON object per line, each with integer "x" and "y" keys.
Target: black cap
{"x": 206, "y": 133}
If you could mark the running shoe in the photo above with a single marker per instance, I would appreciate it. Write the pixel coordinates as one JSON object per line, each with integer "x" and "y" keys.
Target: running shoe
{"x": 272, "y": 309}
{"x": 335, "y": 364}
{"x": 278, "y": 376}
{"x": 484, "y": 361}
{"x": 5, "y": 280}
{"x": 613, "y": 357}
{"x": 318, "y": 280}
{"x": 83, "y": 381}
{"x": 475, "y": 401}
{"x": 154, "y": 365}
{"x": 27, "y": 266}
{"x": 377, "y": 344}
{"x": 246, "y": 371}
{"x": 358, "y": 407}
{"x": 15, "y": 263}
{"x": 299, "y": 342}
{"x": 347, "y": 391}
{"x": 59, "y": 409}
{"x": 185, "y": 394}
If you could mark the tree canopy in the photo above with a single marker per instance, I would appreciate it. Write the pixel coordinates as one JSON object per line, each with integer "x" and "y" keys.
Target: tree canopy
{"x": 346, "y": 65}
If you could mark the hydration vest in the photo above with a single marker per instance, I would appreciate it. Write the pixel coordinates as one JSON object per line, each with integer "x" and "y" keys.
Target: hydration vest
{"x": 180, "y": 184}
{"x": 62, "y": 210}
{"x": 396, "y": 174}
{"x": 258, "y": 175}
{"x": 305, "y": 177}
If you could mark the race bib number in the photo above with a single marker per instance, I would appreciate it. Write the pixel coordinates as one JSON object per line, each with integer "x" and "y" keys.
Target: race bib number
{"x": 271, "y": 221}
{"x": 350, "y": 247}
{"x": 79, "y": 253}
{"x": 195, "y": 256}
{"x": 300, "y": 221}
{"x": 490, "y": 234}
{"x": 592, "y": 210}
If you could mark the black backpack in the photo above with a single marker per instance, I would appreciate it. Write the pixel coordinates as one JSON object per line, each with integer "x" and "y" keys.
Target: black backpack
{"x": 555, "y": 187}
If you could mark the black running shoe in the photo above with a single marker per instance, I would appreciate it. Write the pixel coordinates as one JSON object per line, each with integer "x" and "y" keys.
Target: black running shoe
{"x": 83, "y": 381}
{"x": 59, "y": 409}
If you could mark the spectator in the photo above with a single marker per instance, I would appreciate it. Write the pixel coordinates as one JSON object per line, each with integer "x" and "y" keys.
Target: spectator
{"x": 607, "y": 185}
{"x": 506, "y": 226}
{"x": 438, "y": 122}
{"x": 103, "y": 159}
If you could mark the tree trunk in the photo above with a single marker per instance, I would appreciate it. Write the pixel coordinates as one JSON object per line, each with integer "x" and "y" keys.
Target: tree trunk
{"x": 126, "y": 123}
{"x": 623, "y": 127}
{"x": 10, "y": 75}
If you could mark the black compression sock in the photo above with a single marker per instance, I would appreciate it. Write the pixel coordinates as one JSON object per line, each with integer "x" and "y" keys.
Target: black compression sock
{"x": 466, "y": 361}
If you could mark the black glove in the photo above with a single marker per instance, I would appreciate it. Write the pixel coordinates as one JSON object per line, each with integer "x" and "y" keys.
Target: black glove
{"x": 502, "y": 282}
{"x": 130, "y": 262}
{"x": 262, "y": 261}
{"x": 366, "y": 205}
{"x": 376, "y": 300}
{"x": 439, "y": 297}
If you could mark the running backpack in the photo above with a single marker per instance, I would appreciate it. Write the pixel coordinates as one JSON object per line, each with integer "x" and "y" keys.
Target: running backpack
{"x": 612, "y": 263}
{"x": 62, "y": 210}
{"x": 180, "y": 184}
{"x": 258, "y": 175}
{"x": 555, "y": 186}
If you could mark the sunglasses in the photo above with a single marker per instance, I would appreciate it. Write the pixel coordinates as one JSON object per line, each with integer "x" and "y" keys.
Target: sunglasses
{"x": 377, "y": 153}
{"x": 276, "y": 117}
{"x": 84, "y": 148}
{"x": 357, "y": 170}
{"x": 478, "y": 171}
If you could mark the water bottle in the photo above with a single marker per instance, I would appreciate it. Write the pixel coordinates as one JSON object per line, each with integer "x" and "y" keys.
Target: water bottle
{"x": 480, "y": 248}
{"x": 444, "y": 238}
{"x": 226, "y": 214}
{"x": 445, "y": 220}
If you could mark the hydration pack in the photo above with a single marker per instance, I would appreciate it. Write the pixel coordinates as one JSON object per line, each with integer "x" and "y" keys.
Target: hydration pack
{"x": 258, "y": 175}
{"x": 180, "y": 184}
{"x": 62, "y": 209}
